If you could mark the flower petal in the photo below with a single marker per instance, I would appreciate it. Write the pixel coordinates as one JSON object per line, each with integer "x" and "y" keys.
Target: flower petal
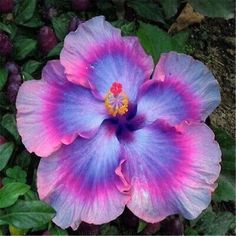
{"x": 53, "y": 111}
{"x": 194, "y": 92}
{"x": 83, "y": 181}
{"x": 171, "y": 171}
{"x": 96, "y": 55}
{"x": 169, "y": 101}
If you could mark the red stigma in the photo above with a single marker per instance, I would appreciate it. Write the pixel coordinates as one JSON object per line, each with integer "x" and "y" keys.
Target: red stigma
{"x": 116, "y": 88}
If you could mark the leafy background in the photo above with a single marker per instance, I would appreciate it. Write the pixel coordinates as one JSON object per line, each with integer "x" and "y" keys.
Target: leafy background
{"x": 21, "y": 211}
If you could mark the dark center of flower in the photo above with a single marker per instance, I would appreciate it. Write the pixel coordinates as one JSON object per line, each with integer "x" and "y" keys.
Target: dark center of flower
{"x": 116, "y": 101}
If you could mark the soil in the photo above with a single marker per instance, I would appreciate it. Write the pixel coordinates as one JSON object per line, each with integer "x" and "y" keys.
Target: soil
{"x": 213, "y": 42}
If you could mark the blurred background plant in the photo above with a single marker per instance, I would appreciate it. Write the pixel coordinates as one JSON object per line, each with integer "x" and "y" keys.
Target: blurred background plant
{"x": 32, "y": 32}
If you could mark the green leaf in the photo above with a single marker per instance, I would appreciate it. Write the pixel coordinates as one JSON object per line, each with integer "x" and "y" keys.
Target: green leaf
{"x": 147, "y": 9}
{"x": 61, "y": 25}
{"x": 23, "y": 159}
{"x": 119, "y": 23}
{"x": 57, "y": 231}
{"x": 215, "y": 224}
{"x": 26, "y": 76}
{"x": 141, "y": 226}
{"x": 228, "y": 148}
{"x": 214, "y": 8}
{"x": 31, "y": 195}
{"x": 28, "y": 214}
{"x": 6, "y": 151}
{"x": 170, "y": 7}
{"x": 207, "y": 211}
{"x": 5, "y": 28}
{"x": 39, "y": 228}
{"x": 11, "y": 29}
{"x": 108, "y": 229}
{"x": 204, "y": 220}
{"x": 127, "y": 28}
{"x": 56, "y": 50}
{"x": 31, "y": 66}
{"x": 15, "y": 174}
{"x": 9, "y": 123}
{"x": 156, "y": 41}
{"x": 225, "y": 190}
{"x": 34, "y": 22}
{"x": 4, "y": 102}
{"x": 223, "y": 138}
{"x": 7, "y": 180}
{"x": 64, "y": 4}
{"x": 228, "y": 159}
{"x": 105, "y": 6}
{"x": 25, "y": 10}
{"x": 23, "y": 47}
{"x": 11, "y": 192}
{"x": 3, "y": 77}
{"x": 190, "y": 231}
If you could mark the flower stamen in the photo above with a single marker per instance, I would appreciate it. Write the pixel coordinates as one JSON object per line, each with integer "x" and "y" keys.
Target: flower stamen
{"x": 116, "y": 101}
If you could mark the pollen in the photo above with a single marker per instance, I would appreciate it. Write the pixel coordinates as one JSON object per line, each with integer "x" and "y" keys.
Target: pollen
{"x": 116, "y": 101}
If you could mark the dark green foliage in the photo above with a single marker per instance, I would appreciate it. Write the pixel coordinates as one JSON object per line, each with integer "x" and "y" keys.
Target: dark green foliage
{"x": 55, "y": 52}
{"x": 9, "y": 123}
{"x": 11, "y": 192}
{"x": 29, "y": 69}
{"x": 31, "y": 66}
{"x": 23, "y": 47}
{"x": 156, "y": 41}
{"x": 141, "y": 226}
{"x": 28, "y": 214}
{"x": 147, "y": 10}
{"x": 211, "y": 223}
{"x": 127, "y": 28}
{"x": 170, "y": 7}
{"x": 54, "y": 230}
{"x": 61, "y": 25}
{"x": 226, "y": 187}
{"x": 6, "y": 151}
{"x": 25, "y": 10}
{"x": 3, "y": 77}
{"x": 213, "y": 8}
{"x": 15, "y": 174}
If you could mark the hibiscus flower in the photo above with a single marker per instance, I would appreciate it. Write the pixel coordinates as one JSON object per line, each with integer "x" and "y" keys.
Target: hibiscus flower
{"x": 110, "y": 137}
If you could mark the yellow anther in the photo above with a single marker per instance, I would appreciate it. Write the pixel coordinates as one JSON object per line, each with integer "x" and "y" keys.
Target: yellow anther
{"x": 116, "y": 104}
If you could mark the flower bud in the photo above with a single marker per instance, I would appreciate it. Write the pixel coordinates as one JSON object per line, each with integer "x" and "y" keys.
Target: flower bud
{"x": 2, "y": 140}
{"x": 13, "y": 85}
{"x": 52, "y": 12}
{"x": 6, "y": 6}
{"x": 74, "y": 23}
{"x": 12, "y": 67}
{"x": 5, "y": 44}
{"x": 49, "y": 13}
{"x": 46, "y": 39}
{"x": 81, "y": 5}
